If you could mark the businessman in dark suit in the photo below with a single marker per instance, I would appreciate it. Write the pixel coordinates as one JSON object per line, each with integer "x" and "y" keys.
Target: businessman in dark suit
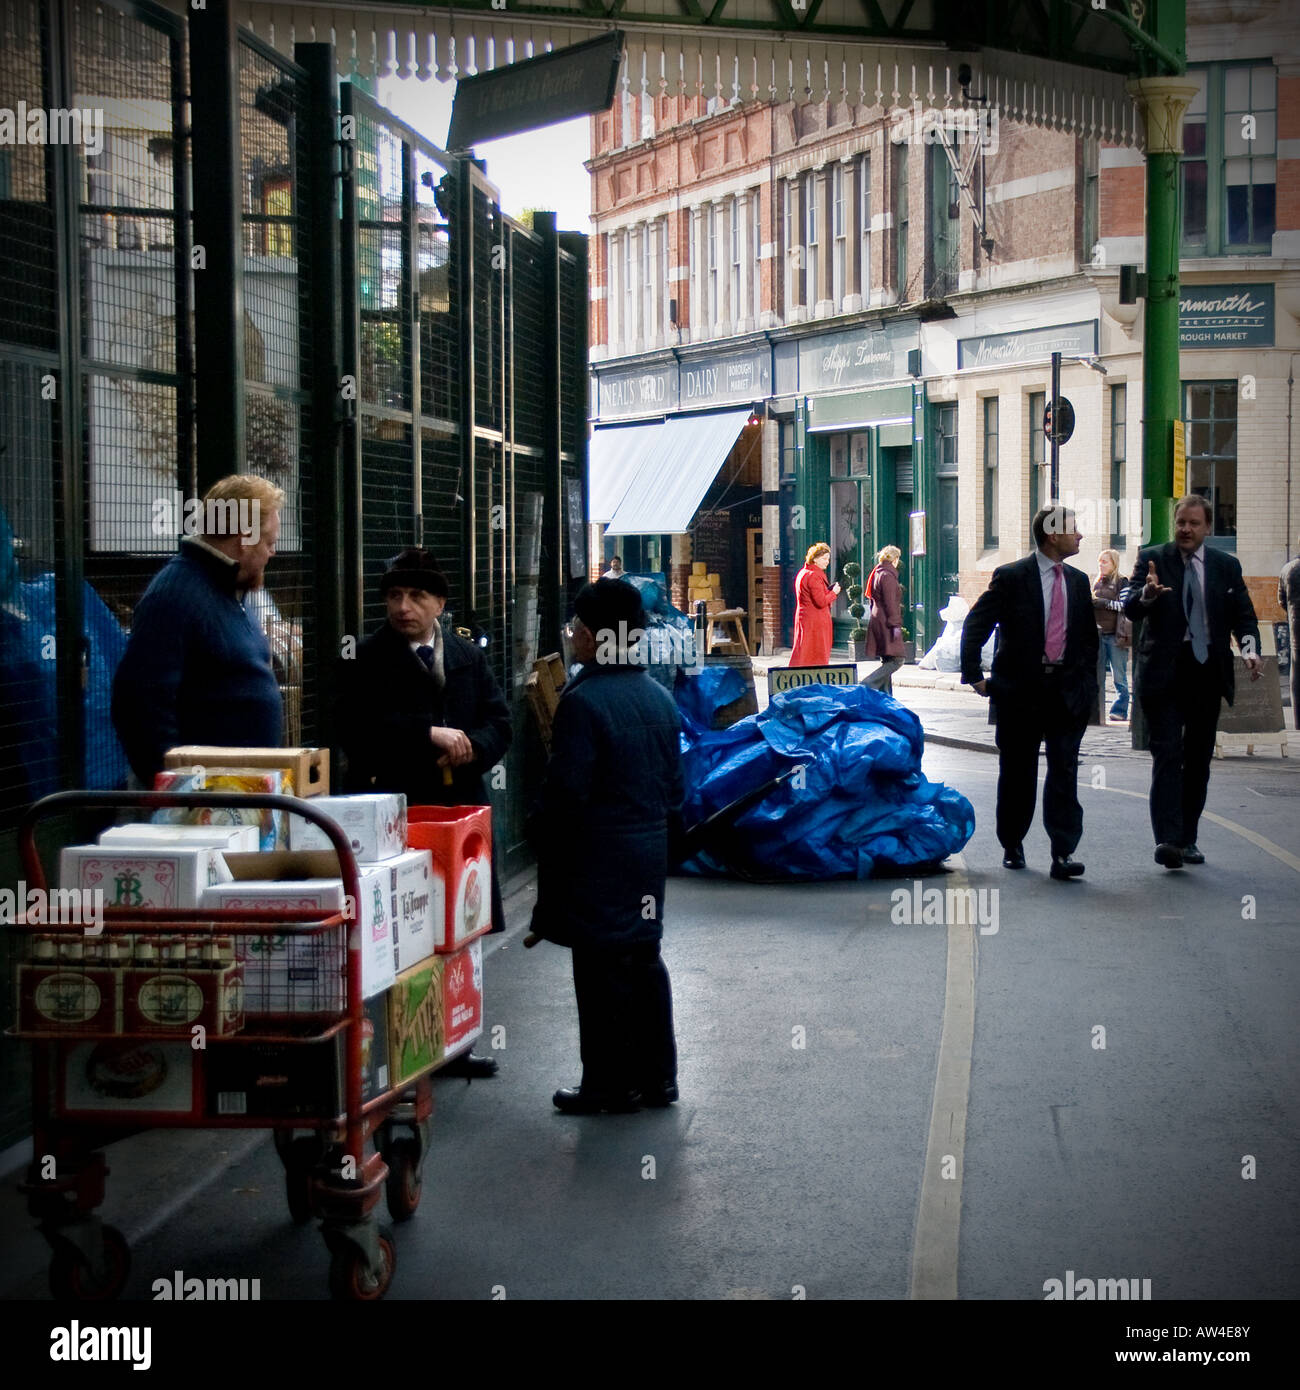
{"x": 1043, "y": 684}
{"x": 1189, "y": 598}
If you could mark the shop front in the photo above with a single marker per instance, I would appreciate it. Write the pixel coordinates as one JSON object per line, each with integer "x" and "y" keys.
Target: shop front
{"x": 852, "y": 466}
{"x": 676, "y": 470}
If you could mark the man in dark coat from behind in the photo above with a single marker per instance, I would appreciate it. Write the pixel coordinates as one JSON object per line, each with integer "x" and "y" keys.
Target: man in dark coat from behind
{"x": 610, "y": 797}
{"x": 419, "y": 712}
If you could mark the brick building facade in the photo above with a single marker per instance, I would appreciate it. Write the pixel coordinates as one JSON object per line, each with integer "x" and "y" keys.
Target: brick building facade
{"x": 906, "y": 299}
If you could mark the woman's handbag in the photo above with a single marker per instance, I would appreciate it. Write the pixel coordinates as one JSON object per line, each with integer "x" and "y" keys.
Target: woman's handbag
{"x": 1123, "y": 632}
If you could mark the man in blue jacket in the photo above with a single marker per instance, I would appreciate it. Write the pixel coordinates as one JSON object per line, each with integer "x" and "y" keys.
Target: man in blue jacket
{"x": 611, "y": 794}
{"x": 196, "y": 668}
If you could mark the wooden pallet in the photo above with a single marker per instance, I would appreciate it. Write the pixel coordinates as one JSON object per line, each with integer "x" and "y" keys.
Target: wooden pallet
{"x": 542, "y": 687}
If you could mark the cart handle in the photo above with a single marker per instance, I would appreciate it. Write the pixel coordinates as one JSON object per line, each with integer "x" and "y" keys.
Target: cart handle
{"x": 47, "y": 806}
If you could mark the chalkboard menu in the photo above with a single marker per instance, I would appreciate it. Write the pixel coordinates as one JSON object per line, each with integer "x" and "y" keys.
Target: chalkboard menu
{"x": 711, "y": 540}
{"x": 1257, "y": 705}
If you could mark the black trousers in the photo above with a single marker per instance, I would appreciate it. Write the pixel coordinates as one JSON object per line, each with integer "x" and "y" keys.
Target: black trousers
{"x": 1043, "y": 722}
{"x": 625, "y": 1018}
{"x": 1181, "y": 723}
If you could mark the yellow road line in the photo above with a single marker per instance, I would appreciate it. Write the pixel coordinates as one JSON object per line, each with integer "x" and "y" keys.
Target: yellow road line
{"x": 1267, "y": 845}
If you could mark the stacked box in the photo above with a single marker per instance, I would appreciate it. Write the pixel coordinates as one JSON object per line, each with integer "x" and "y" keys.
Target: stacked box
{"x": 298, "y": 972}
{"x": 69, "y": 997}
{"x": 415, "y": 1021}
{"x": 462, "y": 998}
{"x": 239, "y": 839}
{"x": 167, "y": 999}
{"x": 417, "y": 900}
{"x": 307, "y": 770}
{"x": 271, "y": 824}
{"x": 374, "y": 822}
{"x": 297, "y": 1079}
{"x": 129, "y": 1079}
{"x": 704, "y": 587}
{"x": 168, "y": 877}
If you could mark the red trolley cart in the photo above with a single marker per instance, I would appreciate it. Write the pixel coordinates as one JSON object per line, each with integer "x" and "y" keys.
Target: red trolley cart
{"x": 312, "y": 1023}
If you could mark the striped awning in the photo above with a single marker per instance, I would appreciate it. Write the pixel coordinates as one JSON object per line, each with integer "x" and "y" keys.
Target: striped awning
{"x": 440, "y": 45}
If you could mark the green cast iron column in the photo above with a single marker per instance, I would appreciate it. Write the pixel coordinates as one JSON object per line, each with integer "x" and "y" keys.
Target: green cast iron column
{"x": 1164, "y": 97}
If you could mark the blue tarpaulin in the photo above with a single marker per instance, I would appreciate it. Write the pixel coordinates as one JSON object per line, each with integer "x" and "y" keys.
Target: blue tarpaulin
{"x": 861, "y": 802}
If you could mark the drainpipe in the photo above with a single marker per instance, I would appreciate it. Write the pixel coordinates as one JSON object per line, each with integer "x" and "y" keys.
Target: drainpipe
{"x": 1290, "y": 387}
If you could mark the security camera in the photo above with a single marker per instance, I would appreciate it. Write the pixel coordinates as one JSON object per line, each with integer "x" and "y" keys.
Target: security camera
{"x": 964, "y": 75}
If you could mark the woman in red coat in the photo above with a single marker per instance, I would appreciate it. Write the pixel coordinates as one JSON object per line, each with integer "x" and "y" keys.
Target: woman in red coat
{"x": 812, "y": 619}
{"x": 885, "y": 631}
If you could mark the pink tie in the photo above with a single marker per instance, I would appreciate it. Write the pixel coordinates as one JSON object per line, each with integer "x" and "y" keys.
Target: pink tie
{"x": 1056, "y": 617}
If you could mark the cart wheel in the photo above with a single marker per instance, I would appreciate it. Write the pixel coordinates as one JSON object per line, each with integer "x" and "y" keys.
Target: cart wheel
{"x": 70, "y": 1276}
{"x": 405, "y": 1180}
{"x": 300, "y": 1159}
{"x": 349, "y": 1279}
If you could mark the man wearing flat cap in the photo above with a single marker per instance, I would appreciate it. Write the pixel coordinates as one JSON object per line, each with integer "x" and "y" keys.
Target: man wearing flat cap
{"x": 608, "y": 808}
{"x": 420, "y": 712}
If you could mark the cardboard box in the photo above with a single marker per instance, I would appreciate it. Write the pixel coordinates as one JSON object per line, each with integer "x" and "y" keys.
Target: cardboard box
{"x": 58, "y": 997}
{"x": 297, "y": 1079}
{"x": 374, "y": 822}
{"x": 417, "y": 900}
{"x": 699, "y": 567}
{"x": 170, "y": 999}
{"x": 129, "y": 1079}
{"x": 374, "y": 1048}
{"x": 462, "y": 999}
{"x": 299, "y": 972}
{"x": 161, "y": 877}
{"x": 274, "y": 1080}
{"x": 239, "y": 839}
{"x": 271, "y": 824}
{"x": 415, "y": 1036}
{"x": 460, "y": 840}
{"x": 307, "y": 770}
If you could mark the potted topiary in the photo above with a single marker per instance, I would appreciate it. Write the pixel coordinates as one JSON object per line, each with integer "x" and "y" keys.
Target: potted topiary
{"x": 858, "y": 633}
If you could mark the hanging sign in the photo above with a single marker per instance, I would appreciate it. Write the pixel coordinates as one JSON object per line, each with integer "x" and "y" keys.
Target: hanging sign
{"x": 556, "y": 86}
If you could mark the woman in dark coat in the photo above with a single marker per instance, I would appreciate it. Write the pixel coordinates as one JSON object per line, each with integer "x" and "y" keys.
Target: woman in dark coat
{"x": 885, "y": 630}
{"x": 812, "y": 618}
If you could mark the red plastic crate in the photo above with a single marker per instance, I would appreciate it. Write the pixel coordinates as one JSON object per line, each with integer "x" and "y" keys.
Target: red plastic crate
{"x": 460, "y": 840}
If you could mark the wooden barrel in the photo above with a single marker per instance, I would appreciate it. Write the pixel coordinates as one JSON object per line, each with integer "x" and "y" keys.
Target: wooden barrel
{"x": 747, "y": 703}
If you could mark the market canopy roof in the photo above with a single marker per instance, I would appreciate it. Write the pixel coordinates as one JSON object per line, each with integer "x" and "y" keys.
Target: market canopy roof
{"x": 614, "y": 458}
{"x": 1057, "y": 63}
{"x": 676, "y": 462}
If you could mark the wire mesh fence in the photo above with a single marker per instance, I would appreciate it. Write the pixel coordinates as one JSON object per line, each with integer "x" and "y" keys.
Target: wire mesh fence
{"x": 443, "y": 328}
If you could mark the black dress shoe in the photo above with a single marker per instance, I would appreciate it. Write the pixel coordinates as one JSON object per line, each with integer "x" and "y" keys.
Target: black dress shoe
{"x": 1063, "y": 867}
{"x": 1169, "y": 855}
{"x": 1192, "y": 855}
{"x": 659, "y": 1096}
{"x": 471, "y": 1067}
{"x": 575, "y": 1101}
{"x": 1013, "y": 857}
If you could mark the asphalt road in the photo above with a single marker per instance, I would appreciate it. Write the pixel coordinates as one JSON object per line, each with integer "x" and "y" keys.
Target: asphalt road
{"x": 834, "y": 1059}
